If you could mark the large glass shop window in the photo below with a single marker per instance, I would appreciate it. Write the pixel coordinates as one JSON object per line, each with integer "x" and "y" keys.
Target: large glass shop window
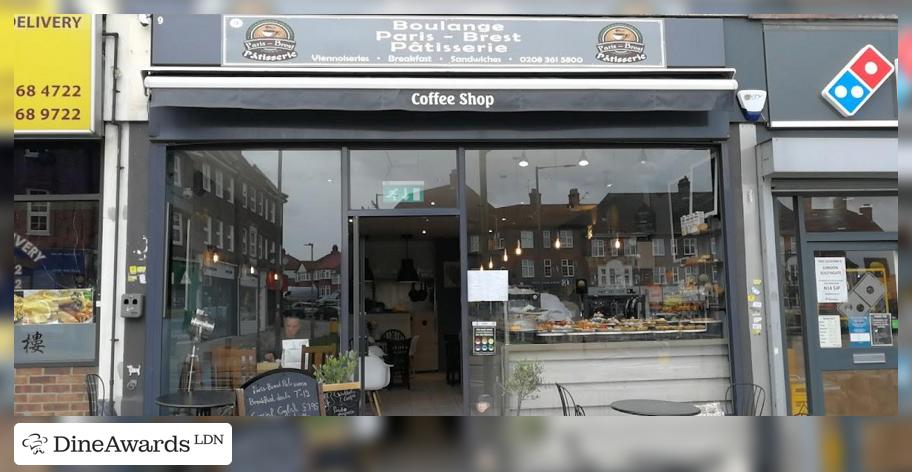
{"x": 255, "y": 262}
{"x": 600, "y": 245}
{"x": 55, "y": 238}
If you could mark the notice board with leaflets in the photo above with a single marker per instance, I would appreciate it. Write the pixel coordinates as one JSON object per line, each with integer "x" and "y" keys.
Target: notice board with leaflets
{"x": 54, "y": 73}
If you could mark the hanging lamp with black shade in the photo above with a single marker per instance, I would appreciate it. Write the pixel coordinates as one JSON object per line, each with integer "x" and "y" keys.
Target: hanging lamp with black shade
{"x": 407, "y": 272}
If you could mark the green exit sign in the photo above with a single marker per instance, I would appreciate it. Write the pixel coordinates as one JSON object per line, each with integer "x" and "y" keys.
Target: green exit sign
{"x": 403, "y": 191}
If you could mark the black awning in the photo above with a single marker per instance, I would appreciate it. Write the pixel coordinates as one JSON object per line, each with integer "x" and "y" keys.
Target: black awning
{"x": 452, "y": 100}
{"x": 436, "y": 95}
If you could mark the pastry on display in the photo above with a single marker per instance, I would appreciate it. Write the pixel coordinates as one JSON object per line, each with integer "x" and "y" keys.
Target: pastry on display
{"x": 71, "y": 306}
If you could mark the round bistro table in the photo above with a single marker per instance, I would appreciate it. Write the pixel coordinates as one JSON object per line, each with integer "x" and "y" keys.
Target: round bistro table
{"x": 655, "y": 408}
{"x": 200, "y": 401}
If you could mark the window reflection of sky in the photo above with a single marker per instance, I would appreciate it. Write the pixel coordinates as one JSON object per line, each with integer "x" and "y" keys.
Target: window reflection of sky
{"x": 313, "y": 210}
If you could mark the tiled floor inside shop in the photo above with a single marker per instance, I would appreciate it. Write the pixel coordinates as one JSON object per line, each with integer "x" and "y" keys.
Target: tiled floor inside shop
{"x": 429, "y": 396}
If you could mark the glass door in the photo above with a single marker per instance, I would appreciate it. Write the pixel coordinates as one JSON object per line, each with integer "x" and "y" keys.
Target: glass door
{"x": 852, "y": 328}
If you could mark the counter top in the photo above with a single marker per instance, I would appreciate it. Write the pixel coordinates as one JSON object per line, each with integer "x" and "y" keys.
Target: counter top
{"x": 613, "y": 345}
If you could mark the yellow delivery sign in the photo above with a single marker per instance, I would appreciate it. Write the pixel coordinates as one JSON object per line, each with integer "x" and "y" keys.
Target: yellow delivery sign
{"x": 53, "y": 73}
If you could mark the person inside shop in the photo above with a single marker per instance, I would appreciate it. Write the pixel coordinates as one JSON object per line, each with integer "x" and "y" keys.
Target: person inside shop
{"x": 291, "y": 329}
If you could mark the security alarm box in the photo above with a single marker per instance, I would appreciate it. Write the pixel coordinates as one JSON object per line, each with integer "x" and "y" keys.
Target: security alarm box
{"x": 131, "y": 305}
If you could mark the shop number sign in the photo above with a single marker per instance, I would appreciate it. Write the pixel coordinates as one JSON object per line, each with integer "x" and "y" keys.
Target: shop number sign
{"x": 54, "y": 73}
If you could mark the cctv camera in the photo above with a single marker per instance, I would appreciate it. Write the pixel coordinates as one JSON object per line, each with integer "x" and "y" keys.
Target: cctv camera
{"x": 752, "y": 103}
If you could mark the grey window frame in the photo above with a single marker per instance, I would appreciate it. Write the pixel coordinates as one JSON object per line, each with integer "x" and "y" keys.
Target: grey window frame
{"x": 162, "y": 148}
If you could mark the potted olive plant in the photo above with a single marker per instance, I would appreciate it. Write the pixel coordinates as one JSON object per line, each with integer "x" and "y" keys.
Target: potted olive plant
{"x": 340, "y": 392}
{"x": 524, "y": 382}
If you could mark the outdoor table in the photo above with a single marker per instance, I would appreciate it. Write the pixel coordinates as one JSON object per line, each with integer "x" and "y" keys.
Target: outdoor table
{"x": 655, "y": 408}
{"x": 201, "y": 401}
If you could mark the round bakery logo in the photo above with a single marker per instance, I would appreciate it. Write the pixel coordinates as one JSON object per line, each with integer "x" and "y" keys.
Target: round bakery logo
{"x": 269, "y": 41}
{"x": 620, "y": 43}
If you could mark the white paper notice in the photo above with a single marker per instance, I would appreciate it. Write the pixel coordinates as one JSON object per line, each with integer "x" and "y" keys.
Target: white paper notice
{"x": 830, "y": 334}
{"x": 831, "y": 280}
{"x": 488, "y": 285}
{"x": 291, "y": 353}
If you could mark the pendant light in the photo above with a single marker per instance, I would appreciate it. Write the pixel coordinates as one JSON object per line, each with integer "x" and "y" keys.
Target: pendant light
{"x": 518, "y": 248}
{"x": 557, "y": 243}
{"x": 583, "y": 160}
{"x": 505, "y": 257}
{"x": 407, "y": 272}
{"x": 523, "y": 161}
{"x": 491, "y": 263}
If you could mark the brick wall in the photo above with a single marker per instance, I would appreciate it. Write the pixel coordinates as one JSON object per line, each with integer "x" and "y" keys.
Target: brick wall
{"x": 51, "y": 391}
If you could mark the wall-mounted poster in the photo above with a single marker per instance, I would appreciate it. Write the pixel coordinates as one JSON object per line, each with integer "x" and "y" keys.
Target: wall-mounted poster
{"x": 41, "y": 307}
{"x": 881, "y": 329}
{"x": 859, "y": 330}
{"x": 829, "y": 331}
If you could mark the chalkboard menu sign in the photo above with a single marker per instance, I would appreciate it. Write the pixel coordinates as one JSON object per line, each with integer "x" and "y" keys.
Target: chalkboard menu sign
{"x": 280, "y": 392}
{"x": 342, "y": 399}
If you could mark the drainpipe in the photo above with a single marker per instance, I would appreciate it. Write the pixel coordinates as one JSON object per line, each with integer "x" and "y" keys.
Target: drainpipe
{"x": 114, "y": 304}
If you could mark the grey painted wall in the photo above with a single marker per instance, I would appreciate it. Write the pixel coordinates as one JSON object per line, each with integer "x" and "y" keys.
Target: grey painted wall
{"x": 138, "y": 254}
{"x": 744, "y": 52}
{"x": 186, "y": 40}
{"x": 695, "y": 42}
{"x": 736, "y": 272}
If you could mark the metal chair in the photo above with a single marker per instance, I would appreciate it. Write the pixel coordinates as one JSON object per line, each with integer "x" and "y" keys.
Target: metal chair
{"x": 413, "y": 348}
{"x": 392, "y": 335}
{"x": 397, "y": 354}
{"x": 568, "y": 404}
{"x": 96, "y": 406}
{"x": 745, "y": 399}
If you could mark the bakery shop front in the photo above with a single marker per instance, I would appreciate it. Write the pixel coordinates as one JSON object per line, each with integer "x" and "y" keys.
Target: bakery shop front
{"x": 523, "y": 199}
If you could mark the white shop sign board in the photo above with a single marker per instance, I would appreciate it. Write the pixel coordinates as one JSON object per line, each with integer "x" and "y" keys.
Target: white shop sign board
{"x": 831, "y": 279}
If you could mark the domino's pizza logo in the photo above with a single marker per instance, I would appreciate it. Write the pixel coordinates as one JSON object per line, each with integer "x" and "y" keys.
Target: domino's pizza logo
{"x": 858, "y": 81}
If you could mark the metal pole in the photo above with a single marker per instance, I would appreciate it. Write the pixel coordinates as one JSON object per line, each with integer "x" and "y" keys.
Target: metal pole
{"x": 541, "y": 247}
{"x": 357, "y": 301}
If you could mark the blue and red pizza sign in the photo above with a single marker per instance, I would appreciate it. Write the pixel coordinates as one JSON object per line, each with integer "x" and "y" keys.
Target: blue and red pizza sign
{"x": 858, "y": 81}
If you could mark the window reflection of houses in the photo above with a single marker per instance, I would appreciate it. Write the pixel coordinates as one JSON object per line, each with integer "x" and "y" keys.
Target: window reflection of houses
{"x": 820, "y": 214}
{"x": 323, "y": 274}
{"x": 623, "y": 242}
{"x": 56, "y": 244}
{"x": 226, "y": 219}
{"x": 56, "y": 241}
